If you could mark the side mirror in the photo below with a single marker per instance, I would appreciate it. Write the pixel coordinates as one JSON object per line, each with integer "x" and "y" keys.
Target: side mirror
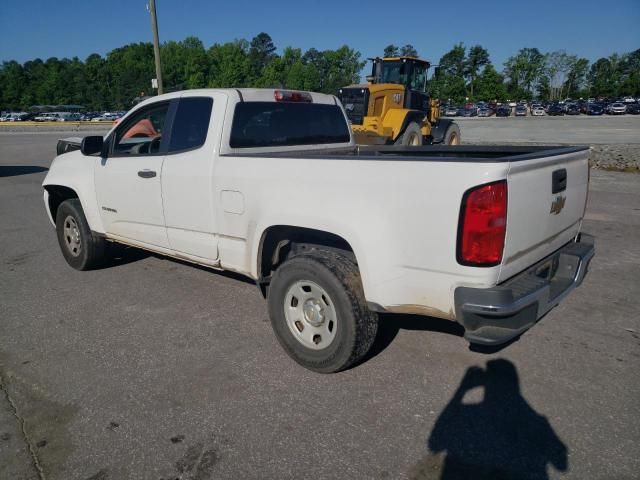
{"x": 92, "y": 144}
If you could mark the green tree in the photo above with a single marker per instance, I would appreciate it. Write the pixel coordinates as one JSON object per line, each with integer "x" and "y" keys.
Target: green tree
{"x": 261, "y": 53}
{"x": 448, "y": 83}
{"x": 524, "y": 70}
{"x": 130, "y": 70}
{"x": 391, "y": 51}
{"x": 230, "y": 64}
{"x": 603, "y": 77}
{"x": 477, "y": 58}
{"x": 490, "y": 85}
{"x": 408, "y": 51}
{"x": 12, "y": 83}
{"x": 576, "y": 77}
{"x": 630, "y": 74}
{"x": 184, "y": 64}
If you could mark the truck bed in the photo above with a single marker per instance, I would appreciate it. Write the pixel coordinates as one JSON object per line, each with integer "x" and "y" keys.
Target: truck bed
{"x": 436, "y": 153}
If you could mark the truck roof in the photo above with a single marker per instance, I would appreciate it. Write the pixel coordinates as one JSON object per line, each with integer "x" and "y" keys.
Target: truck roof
{"x": 244, "y": 94}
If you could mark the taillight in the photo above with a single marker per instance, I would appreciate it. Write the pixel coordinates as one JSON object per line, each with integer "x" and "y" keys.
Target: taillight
{"x": 292, "y": 96}
{"x": 483, "y": 225}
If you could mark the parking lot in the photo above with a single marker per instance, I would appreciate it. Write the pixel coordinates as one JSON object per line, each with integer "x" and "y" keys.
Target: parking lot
{"x": 155, "y": 369}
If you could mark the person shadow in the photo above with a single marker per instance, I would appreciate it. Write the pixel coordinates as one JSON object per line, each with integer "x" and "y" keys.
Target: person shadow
{"x": 500, "y": 437}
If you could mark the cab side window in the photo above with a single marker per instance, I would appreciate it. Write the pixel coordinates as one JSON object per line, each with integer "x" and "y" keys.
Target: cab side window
{"x": 142, "y": 133}
{"x": 191, "y": 123}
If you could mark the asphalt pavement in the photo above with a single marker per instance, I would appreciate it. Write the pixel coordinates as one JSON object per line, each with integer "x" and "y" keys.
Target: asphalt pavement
{"x": 155, "y": 369}
{"x": 566, "y": 130}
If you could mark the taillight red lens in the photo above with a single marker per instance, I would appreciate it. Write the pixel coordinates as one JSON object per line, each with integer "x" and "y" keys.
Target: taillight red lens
{"x": 292, "y": 96}
{"x": 483, "y": 225}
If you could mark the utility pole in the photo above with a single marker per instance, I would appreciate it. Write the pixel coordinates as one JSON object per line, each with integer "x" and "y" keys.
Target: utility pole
{"x": 156, "y": 43}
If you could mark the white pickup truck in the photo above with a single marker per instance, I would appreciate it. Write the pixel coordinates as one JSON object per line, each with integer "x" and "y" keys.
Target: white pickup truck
{"x": 269, "y": 183}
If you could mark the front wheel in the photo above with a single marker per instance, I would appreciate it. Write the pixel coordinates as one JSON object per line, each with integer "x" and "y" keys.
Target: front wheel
{"x": 318, "y": 311}
{"x": 81, "y": 249}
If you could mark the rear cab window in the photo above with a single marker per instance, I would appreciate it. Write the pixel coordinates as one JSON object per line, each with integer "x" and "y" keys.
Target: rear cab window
{"x": 278, "y": 124}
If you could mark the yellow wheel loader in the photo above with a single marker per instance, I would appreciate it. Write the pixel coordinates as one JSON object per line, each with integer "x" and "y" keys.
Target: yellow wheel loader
{"x": 394, "y": 108}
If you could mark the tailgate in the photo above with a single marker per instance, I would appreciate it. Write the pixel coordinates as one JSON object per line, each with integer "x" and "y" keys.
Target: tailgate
{"x": 547, "y": 197}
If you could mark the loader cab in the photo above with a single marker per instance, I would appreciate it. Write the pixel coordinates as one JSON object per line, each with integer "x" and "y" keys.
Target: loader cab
{"x": 408, "y": 72}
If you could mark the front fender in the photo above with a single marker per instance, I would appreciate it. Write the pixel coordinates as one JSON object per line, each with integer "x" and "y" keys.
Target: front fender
{"x": 76, "y": 171}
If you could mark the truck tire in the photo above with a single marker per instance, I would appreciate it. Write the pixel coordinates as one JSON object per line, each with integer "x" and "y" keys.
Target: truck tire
{"x": 452, "y": 137}
{"x": 318, "y": 311}
{"x": 412, "y": 136}
{"x": 81, "y": 249}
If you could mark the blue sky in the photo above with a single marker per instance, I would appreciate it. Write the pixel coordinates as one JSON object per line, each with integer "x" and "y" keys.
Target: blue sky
{"x": 67, "y": 28}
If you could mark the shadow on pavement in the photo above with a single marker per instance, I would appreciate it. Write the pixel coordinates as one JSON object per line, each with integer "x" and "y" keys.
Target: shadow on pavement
{"x": 495, "y": 436}
{"x": 390, "y": 324}
{"x": 122, "y": 255}
{"x": 14, "y": 170}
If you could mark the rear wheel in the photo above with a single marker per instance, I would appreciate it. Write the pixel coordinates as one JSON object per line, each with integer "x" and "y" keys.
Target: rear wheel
{"x": 452, "y": 137}
{"x": 412, "y": 136}
{"x": 319, "y": 313}
{"x": 81, "y": 249}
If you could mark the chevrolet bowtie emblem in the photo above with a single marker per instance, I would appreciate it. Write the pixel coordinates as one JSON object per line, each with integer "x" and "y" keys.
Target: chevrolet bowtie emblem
{"x": 558, "y": 205}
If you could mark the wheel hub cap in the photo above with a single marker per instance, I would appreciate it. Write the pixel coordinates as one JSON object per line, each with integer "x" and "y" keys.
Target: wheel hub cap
{"x": 313, "y": 312}
{"x": 310, "y": 314}
{"x": 72, "y": 236}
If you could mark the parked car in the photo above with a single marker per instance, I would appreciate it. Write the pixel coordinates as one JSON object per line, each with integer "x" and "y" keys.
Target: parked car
{"x": 27, "y": 116}
{"x": 617, "y": 108}
{"x": 521, "y": 111}
{"x": 106, "y": 117}
{"x": 68, "y": 117}
{"x": 451, "y": 111}
{"x": 555, "y": 110}
{"x": 47, "y": 117}
{"x": 595, "y": 109}
{"x": 219, "y": 192}
{"x": 467, "y": 112}
{"x": 633, "y": 108}
{"x": 484, "y": 112}
{"x": 503, "y": 111}
{"x": 537, "y": 112}
{"x": 573, "y": 109}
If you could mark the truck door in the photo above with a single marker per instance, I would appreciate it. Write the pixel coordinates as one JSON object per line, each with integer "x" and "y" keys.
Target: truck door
{"x": 187, "y": 176}
{"x": 127, "y": 180}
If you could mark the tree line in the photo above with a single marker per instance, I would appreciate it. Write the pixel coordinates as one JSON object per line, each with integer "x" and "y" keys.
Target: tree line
{"x": 124, "y": 74}
{"x": 531, "y": 74}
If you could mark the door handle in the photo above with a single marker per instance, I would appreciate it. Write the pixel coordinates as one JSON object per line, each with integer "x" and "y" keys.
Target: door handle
{"x": 146, "y": 173}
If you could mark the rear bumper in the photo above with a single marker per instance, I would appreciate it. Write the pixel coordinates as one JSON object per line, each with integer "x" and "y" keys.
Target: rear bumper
{"x": 496, "y": 315}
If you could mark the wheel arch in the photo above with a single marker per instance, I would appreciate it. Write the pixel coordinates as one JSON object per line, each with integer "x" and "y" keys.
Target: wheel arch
{"x": 440, "y": 128}
{"x": 55, "y": 195}
{"x": 277, "y": 242}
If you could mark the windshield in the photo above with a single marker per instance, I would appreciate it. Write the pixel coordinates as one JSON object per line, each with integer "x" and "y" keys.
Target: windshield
{"x": 392, "y": 72}
{"x": 401, "y": 72}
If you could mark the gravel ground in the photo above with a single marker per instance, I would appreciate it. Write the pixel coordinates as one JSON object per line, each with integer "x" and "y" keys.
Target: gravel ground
{"x": 153, "y": 369}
